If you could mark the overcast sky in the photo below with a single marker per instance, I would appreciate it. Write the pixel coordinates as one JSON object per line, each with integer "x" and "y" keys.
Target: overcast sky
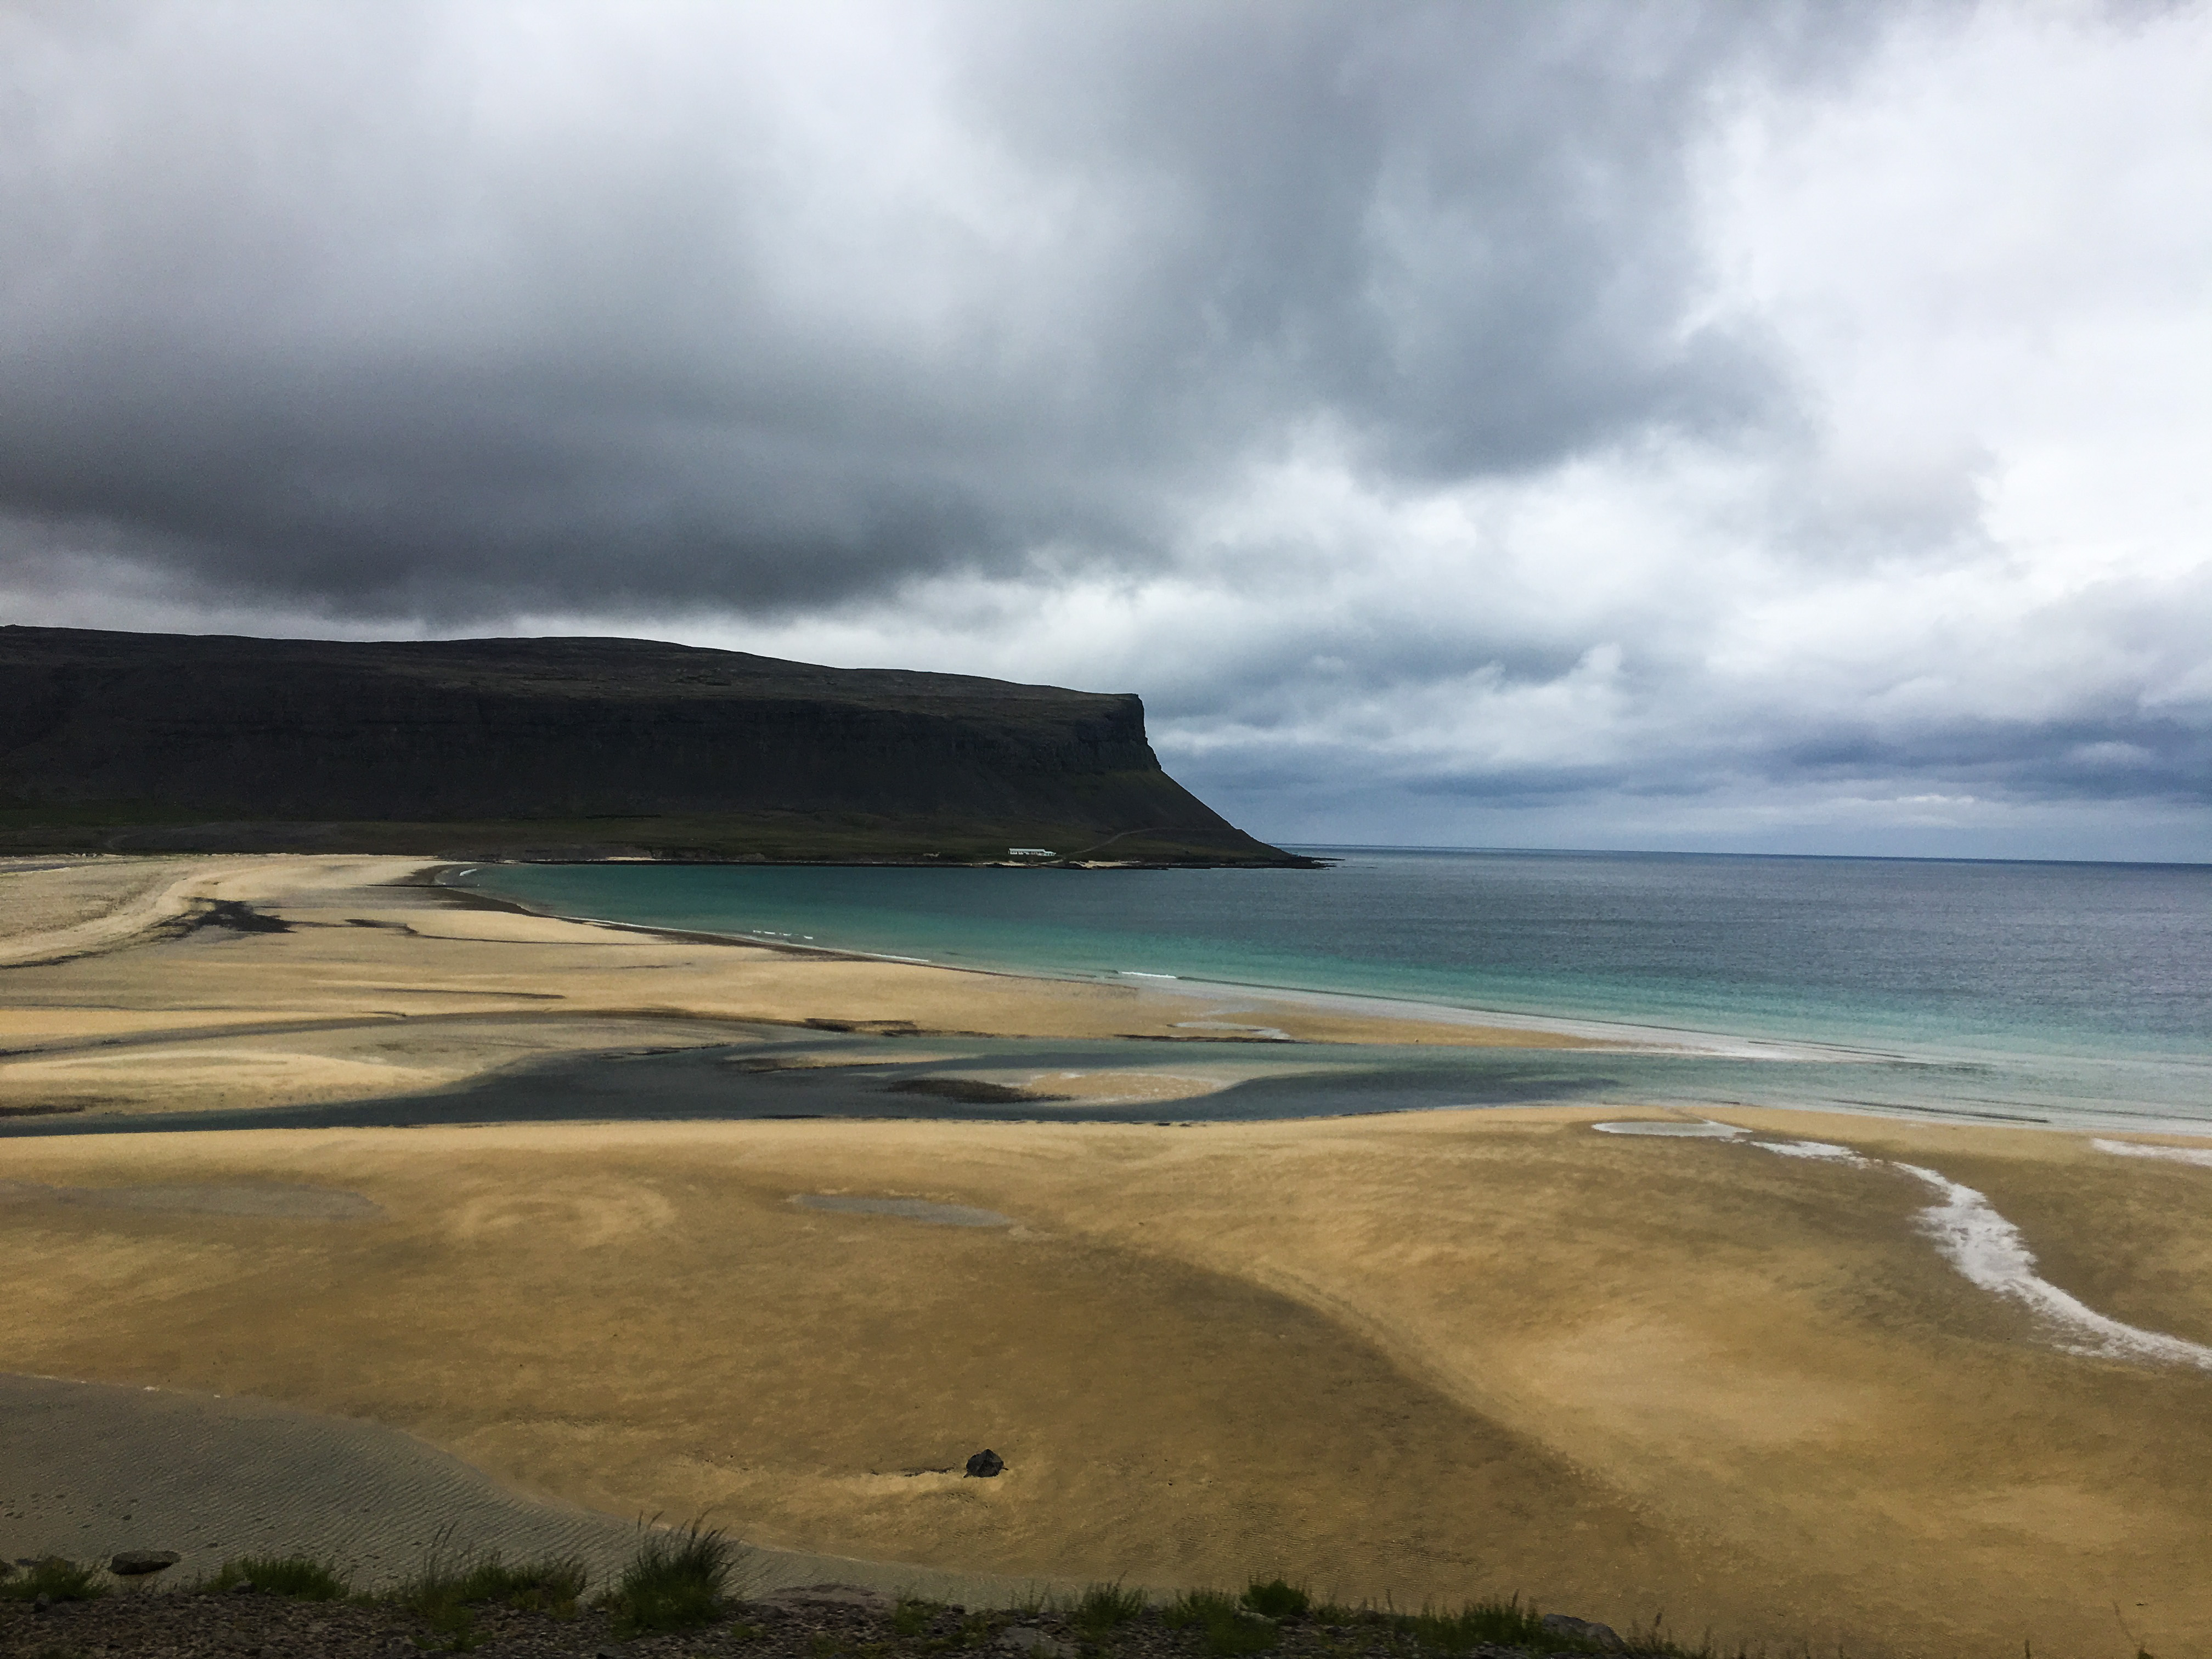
{"x": 1747, "y": 425}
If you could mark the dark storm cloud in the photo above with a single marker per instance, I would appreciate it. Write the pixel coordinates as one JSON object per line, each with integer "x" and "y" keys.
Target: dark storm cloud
{"x": 444, "y": 313}
{"x": 2127, "y": 754}
{"x": 1666, "y": 418}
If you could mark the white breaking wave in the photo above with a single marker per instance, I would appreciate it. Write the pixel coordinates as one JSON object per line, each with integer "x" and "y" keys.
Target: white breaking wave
{"x": 2197, "y": 1155}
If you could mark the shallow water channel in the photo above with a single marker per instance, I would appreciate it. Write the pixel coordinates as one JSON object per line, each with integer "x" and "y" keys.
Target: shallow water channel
{"x": 773, "y": 1073}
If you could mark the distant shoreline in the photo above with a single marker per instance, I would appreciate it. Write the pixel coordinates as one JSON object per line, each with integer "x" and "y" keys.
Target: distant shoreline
{"x": 225, "y": 984}
{"x": 1614, "y": 1034}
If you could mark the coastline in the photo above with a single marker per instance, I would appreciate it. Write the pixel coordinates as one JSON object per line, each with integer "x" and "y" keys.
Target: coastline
{"x": 1412, "y": 1355}
{"x": 1582, "y": 1032}
{"x": 221, "y": 983}
{"x": 1832, "y": 1056}
{"x": 213, "y": 988}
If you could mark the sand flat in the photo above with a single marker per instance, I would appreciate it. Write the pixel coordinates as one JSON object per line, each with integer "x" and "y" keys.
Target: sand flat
{"x": 380, "y": 989}
{"x": 1418, "y": 1356}
{"x": 214, "y": 1478}
{"x": 64, "y": 907}
{"x": 1421, "y": 1356}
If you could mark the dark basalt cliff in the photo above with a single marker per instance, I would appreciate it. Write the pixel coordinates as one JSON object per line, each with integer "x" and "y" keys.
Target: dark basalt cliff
{"x": 567, "y": 747}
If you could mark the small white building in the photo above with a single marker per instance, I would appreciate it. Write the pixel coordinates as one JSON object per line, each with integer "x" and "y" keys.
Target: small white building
{"x": 1030, "y": 852}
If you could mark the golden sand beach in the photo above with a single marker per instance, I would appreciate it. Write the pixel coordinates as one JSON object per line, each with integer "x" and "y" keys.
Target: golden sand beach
{"x": 384, "y": 989}
{"x": 1421, "y": 1357}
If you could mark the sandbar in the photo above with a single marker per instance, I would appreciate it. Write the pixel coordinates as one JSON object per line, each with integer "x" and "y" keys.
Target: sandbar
{"x": 1415, "y": 1357}
{"x": 353, "y": 981}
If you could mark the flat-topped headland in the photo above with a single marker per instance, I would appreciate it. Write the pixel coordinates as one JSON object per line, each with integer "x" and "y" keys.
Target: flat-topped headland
{"x": 571, "y": 748}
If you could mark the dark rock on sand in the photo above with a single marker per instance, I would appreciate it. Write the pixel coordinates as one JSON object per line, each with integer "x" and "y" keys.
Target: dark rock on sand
{"x": 830, "y": 1595}
{"x": 1027, "y": 1638}
{"x": 986, "y": 1463}
{"x": 137, "y": 1564}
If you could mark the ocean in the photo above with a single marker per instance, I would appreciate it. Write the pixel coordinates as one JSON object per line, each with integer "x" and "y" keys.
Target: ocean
{"x": 1985, "y": 991}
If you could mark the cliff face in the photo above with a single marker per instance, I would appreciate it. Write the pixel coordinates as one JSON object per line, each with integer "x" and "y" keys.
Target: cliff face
{"x": 715, "y": 748}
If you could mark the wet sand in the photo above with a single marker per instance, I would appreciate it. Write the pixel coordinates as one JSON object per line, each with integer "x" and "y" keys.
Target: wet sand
{"x": 374, "y": 989}
{"x": 1414, "y": 1357}
{"x": 1420, "y": 1356}
{"x": 212, "y": 1478}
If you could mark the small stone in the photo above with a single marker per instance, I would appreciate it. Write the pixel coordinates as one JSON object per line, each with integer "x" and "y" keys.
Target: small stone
{"x": 1588, "y": 1629}
{"x": 137, "y": 1564}
{"x": 986, "y": 1463}
{"x": 243, "y": 1587}
{"x": 1027, "y": 1638}
{"x": 828, "y": 1596}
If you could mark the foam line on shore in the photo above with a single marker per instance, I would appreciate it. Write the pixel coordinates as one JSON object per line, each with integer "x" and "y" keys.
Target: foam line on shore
{"x": 1703, "y": 1129}
{"x": 1987, "y": 1251}
{"x": 1821, "y": 1149}
{"x": 1643, "y": 1038}
{"x": 2201, "y": 1156}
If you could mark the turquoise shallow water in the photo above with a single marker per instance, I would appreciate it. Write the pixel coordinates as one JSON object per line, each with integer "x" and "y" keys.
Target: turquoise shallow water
{"x": 2038, "y": 990}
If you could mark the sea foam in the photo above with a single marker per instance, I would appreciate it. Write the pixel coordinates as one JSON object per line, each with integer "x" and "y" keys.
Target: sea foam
{"x": 1987, "y": 1251}
{"x": 2197, "y": 1155}
{"x": 1816, "y": 1149}
{"x": 1702, "y": 1130}
{"x": 1990, "y": 1251}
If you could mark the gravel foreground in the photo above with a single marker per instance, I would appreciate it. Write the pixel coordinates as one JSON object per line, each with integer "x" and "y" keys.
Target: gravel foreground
{"x": 806, "y": 1625}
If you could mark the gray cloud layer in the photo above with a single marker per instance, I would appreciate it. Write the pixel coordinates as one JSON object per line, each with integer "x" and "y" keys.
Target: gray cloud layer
{"x": 339, "y": 304}
{"x": 1435, "y": 398}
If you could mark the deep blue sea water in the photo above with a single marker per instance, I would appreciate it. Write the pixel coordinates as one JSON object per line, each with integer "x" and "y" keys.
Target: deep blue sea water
{"x": 2053, "y": 991}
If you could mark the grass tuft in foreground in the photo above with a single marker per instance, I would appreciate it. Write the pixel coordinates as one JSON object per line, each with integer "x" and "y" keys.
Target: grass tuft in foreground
{"x": 1502, "y": 1624}
{"x": 1228, "y": 1627}
{"x": 55, "y": 1579}
{"x": 443, "y": 1594}
{"x": 675, "y": 1581}
{"x": 299, "y": 1576}
{"x": 1104, "y": 1607}
{"x": 1277, "y": 1598}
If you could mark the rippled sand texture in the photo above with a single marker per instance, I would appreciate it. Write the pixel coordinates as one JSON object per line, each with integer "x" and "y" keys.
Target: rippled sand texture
{"x": 94, "y": 1468}
{"x": 379, "y": 989}
{"x": 1419, "y": 1356}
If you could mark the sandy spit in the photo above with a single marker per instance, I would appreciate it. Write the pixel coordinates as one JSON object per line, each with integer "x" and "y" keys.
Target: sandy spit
{"x": 348, "y": 979}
